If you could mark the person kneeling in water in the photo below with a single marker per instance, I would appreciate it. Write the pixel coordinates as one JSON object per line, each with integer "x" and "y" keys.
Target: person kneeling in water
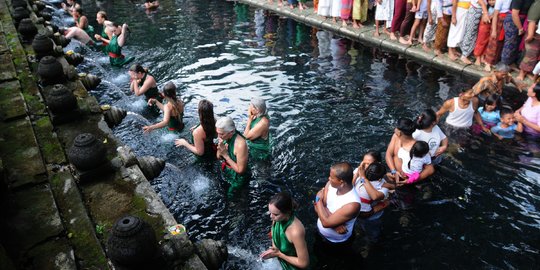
{"x": 173, "y": 110}
{"x": 117, "y": 39}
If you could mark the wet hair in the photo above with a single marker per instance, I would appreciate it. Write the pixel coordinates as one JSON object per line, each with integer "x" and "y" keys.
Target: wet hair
{"x": 343, "y": 172}
{"x": 375, "y": 171}
{"x": 374, "y": 154}
{"x": 505, "y": 110}
{"x": 169, "y": 91}
{"x": 79, "y": 10}
{"x": 406, "y": 126}
{"x": 492, "y": 99}
{"x": 536, "y": 90}
{"x": 226, "y": 123}
{"x": 260, "y": 105}
{"x": 419, "y": 149}
{"x": 426, "y": 119}
{"x": 206, "y": 117}
{"x": 137, "y": 68}
{"x": 102, "y": 14}
{"x": 283, "y": 202}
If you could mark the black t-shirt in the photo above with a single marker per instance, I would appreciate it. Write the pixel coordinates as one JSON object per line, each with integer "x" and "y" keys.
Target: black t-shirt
{"x": 522, "y": 5}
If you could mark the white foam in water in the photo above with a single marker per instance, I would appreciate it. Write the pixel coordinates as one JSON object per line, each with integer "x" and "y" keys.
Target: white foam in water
{"x": 265, "y": 59}
{"x": 200, "y": 184}
{"x": 169, "y": 137}
{"x": 253, "y": 259}
{"x": 119, "y": 79}
{"x": 138, "y": 105}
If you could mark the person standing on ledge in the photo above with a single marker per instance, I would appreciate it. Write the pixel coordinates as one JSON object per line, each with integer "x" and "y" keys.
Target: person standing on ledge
{"x": 233, "y": 150}
{"x": 257, "y": 130}
{"x": 288, "y": 234}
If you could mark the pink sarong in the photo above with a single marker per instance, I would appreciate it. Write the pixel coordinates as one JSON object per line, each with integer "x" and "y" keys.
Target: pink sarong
{"x": 346, "y": 8}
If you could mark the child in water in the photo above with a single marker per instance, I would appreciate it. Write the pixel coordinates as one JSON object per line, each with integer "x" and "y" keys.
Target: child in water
{"x": 507, "y": 127}
{"x": 419, "y": 157}
{"x": 490, "y": 115}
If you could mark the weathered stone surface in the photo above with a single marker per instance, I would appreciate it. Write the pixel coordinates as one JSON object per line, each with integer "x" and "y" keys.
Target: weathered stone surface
{"x": 11, "y": 101}
{"x": 145, "y": 191}
{"x": 212, "y": 253}
{"x": 447, "y": 64}
{"x": 48, "y": 141}
{"x": 420, "y": 54}
{"x": 34, "y": 220}
{"x": 475, "y": 71}
{"x": 81, "y": 230}
{"x": 56, "y": 254}
{"x": 20, "y": 153}
{"x": 3, "y": 44}
{"x": 193, "y": 263}
{"x": 394, "y": 46}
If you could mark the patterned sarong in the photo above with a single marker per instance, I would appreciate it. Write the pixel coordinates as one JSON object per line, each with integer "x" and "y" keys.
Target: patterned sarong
{"x": 471, "y": 30}
{"x": 532, "y": 51}
{"x": 482, "y": 39}
{"x": 494, "y": 47}
{"x": 511, "y": 41}
{"x": 442, "y": 32}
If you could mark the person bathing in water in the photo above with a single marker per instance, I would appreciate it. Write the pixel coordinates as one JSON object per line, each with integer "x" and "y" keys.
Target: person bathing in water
{"x": 173, "y": 110}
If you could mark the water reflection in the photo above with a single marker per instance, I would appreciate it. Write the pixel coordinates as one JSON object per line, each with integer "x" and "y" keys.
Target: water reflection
{"x": 329, "y": 100}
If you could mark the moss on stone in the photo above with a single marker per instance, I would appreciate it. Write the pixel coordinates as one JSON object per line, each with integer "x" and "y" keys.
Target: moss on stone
{"x": 51, "y": 149}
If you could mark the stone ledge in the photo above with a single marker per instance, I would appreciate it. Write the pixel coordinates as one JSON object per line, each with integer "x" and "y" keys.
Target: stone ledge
{"x": 12, "y": 104}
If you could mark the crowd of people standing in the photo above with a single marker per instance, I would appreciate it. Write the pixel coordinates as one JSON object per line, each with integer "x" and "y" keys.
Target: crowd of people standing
{"x": 351, "y": 195}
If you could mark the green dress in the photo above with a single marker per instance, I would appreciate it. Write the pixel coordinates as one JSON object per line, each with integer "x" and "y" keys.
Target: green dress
{"x": 282, "y": 243}
{"x": 152, "y": 92}
{"x": 209, "y": 148}
{"x": 114, "y": 50}
{"x": 259, "y": 149}
{"x": 235, "y": 179}
{"x": 88, "y": 29}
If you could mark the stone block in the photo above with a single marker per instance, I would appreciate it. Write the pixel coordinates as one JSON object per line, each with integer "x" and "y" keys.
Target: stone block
{"x": 55, "y": 254}
{"x": 51, "y": 149}
{"x": 417, "y": 53}
{"x": 314, "y": 20}
{"x": 80, "y": 229}
{"x": 367, "y": 38}
{"x": 349, "y": 33}
{"x": 393, "y": 46}
{"x": 475, "y": 71}
{"x": 35, "y": 219}
{"x": 7, "y": 69}
{"x": 3, "y": 44}
{"x": 11, "y": 101}
{"x": 20, "y": 153}
{"x": 446, "y": 64}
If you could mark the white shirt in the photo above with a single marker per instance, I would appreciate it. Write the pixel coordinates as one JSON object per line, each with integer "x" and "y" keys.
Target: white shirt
{"x": 503, "y": 6}
{"x": 334, "y": 202}
{"x": 433, "y": 138}
{"x": 417, "y": 164}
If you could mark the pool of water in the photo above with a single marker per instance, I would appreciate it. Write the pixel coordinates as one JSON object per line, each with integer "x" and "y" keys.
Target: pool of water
{"x": 330, "y": 100}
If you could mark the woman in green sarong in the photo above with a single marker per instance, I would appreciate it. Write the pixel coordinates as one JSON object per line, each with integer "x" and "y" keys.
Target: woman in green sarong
{"x": 232, "y": 148}
{"x": 117, "y": 39}
{"x": 101, "y": 18}
{"x": 173, "y": 110}
{"x": 143, "y": 83}
{"x": 203, "y": 134}
{"x": 82, "y": 31}
{"x": 288, "y": 234}
{"x": 258, "y": 130}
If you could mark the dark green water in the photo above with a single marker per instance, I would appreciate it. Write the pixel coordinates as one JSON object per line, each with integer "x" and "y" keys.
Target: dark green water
{"x": 330, "y": 100}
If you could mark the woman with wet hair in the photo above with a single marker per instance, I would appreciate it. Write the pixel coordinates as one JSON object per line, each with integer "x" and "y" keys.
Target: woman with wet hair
{"x": 173, "y": 110}
{"x": 143, "y": 83}
{"x": 203, "y": 134}
{"x": 428, "y": 131}
{"x": 288, "y": 234}
{"x": 117, "y": 39}
{"x": 398, "y": 152}
{"x": 257, "y": 130}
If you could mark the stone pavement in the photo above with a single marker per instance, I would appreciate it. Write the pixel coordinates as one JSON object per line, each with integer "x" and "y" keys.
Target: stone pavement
{"x": 365, "y": 36}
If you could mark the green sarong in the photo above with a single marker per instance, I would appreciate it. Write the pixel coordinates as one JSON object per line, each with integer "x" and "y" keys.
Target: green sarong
{"x": 259, "y": 149}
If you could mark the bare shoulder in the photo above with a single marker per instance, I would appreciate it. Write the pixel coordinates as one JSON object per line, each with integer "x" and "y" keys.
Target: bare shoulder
{"x": 297, "y": 228}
